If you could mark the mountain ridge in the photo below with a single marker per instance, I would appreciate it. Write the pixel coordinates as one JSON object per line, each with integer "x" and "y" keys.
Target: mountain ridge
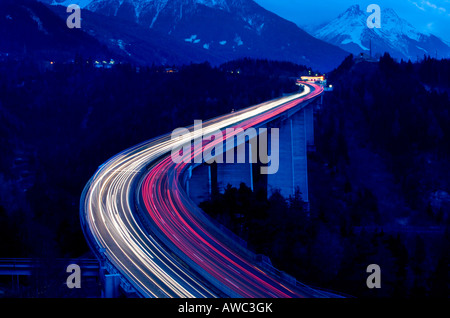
{"x": 396, "y": 35}
{"x": 231, "y": 29}
{"x": 34, "y": 31}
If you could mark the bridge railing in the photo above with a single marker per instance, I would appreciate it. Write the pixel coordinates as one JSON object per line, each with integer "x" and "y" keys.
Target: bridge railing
{"x": 96, "y": 248}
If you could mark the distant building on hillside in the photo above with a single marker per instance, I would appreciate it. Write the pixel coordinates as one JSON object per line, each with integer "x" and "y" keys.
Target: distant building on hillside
{"x": 365, "y": 57}
{"x": 320, "y": 80}
{"x": 104, "y": 64}
{"x": 314, "y": 79}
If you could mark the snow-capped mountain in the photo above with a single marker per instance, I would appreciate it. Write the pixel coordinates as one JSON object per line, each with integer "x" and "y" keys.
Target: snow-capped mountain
{"x": 396, "y": 36}
{"x": 225, "y": 29}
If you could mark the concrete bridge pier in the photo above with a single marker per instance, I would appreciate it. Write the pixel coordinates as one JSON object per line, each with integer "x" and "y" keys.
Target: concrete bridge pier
{"x": 309, "y": 122}
{"x": 199, "y": 183}
{"x": 293, "y": 161}
{"x": 236, "y": 172}
{"x": 230, "y": 168}
{"x": 296, "y": 138}
{"x": 111, "y": 286}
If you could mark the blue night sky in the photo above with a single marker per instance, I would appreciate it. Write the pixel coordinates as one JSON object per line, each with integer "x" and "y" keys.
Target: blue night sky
{"x": 432, "y": 16}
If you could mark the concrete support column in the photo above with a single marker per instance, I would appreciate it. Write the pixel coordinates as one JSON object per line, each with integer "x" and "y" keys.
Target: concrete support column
{"x": 235, "y": 173}
{"x": 300, "y": 154}
{"x": 309, "y": 122}
{"x": 293, "y": 168}
{"x": 111, "y": 286}
{"x": 198, "y": 186}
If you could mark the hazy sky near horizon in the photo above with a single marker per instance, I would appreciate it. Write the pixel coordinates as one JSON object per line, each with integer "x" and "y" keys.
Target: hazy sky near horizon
{"x": 432, "y": 16}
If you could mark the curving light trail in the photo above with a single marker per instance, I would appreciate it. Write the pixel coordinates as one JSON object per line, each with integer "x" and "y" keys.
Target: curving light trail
{"x": 136, "y": 212}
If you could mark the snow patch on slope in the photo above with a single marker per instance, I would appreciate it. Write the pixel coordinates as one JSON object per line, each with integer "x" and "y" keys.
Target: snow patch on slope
{"x": 66, "y": 3}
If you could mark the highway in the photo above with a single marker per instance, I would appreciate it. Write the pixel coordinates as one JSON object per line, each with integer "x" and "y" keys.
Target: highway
{"x": 136, "y": 215}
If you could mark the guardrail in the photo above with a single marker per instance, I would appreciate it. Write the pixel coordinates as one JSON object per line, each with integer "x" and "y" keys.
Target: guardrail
{"x": 97, "y": 249}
